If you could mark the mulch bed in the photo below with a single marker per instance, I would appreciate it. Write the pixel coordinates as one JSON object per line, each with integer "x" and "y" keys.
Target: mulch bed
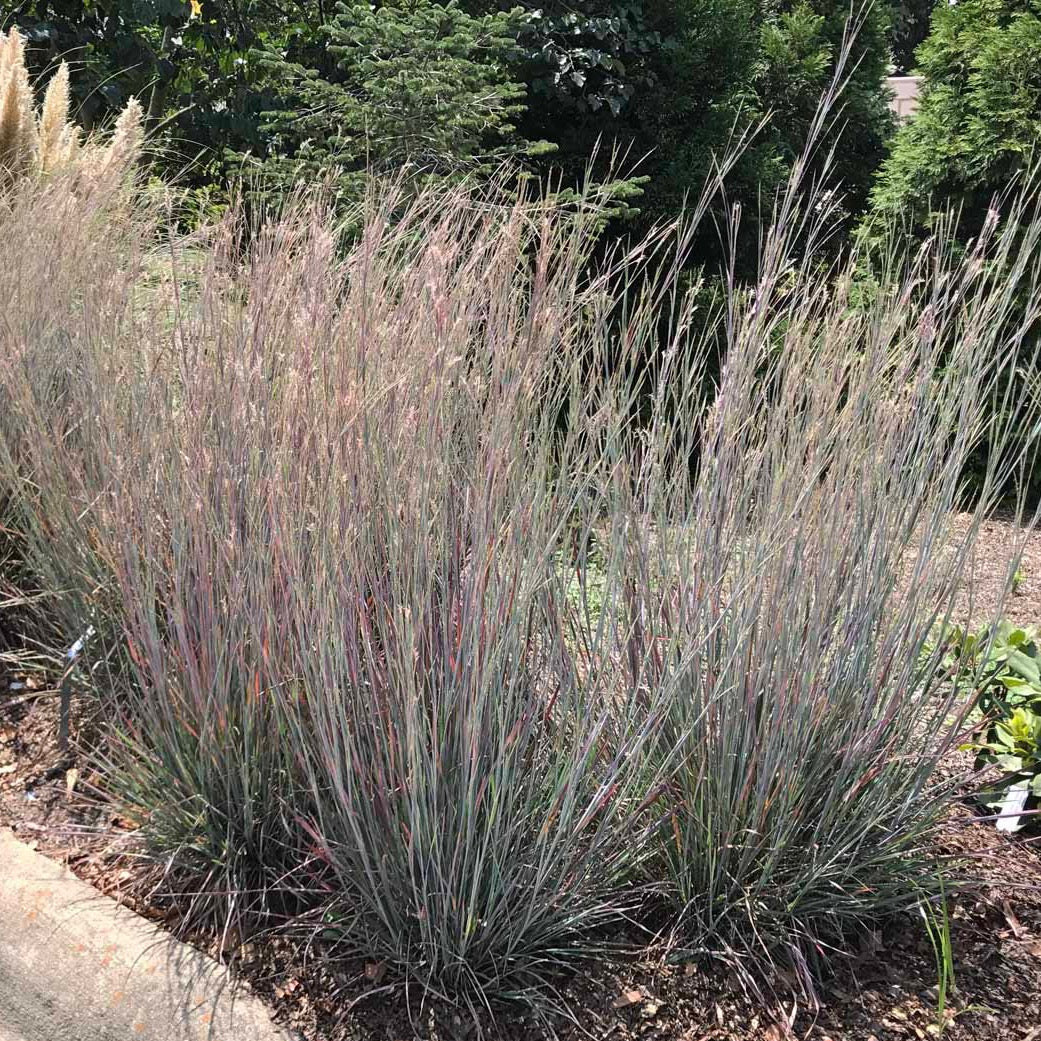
{"x": 888, "y": 992}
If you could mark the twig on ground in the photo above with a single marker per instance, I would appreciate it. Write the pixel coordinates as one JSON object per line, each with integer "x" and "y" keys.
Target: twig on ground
{"x": 32, "y": 696}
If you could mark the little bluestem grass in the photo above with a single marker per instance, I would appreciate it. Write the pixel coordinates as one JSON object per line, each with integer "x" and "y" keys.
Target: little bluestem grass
{"x": 431, "y": 621}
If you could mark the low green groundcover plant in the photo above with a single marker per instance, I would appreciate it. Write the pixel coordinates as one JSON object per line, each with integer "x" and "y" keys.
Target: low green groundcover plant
{"x": 1003, "y": 666}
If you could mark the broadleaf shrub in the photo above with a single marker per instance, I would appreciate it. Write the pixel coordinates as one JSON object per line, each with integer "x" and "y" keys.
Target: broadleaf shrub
{"x": 1001, "y": 666}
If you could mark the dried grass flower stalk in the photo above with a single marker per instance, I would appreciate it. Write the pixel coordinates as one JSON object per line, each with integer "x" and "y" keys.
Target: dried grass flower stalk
{"x": 32, "y": 146}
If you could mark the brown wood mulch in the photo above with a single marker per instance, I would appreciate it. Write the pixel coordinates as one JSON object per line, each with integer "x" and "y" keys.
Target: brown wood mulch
{"x": 888, "y": 992}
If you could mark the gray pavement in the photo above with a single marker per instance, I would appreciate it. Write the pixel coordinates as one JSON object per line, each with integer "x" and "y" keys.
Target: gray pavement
{"x": 75, "y": 966}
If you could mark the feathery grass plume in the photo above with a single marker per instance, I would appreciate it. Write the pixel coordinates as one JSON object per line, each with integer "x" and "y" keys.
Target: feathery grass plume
{"x": 30, "y": 147}
{"x": 127, "y": 137}
{"x": 56, "y": 134}
{"x": 18, "y": 136}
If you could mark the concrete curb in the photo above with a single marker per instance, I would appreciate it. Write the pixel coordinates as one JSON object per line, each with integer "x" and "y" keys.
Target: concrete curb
{"x": 74, "y": 966}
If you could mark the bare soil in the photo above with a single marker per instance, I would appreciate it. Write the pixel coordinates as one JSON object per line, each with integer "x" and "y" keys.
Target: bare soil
{"x": 887, "y": 992}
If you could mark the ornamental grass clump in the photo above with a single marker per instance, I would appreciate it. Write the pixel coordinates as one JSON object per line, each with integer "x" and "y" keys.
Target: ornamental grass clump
{"x": 787, "y": 584}
{"x": 319, "y": 495}
{"x": 33, "y": 145}
{"x": 74, "y": 264}
{"x": 429, "y": 620}
{"x": 352, "y": 677}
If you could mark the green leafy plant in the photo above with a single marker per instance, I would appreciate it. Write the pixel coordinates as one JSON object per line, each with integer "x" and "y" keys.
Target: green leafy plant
{"x": 937, "y": 919}
{"x": 422, "y": 87}
{"x": 589, "y": 56}
{"x": 1003, "y": 666}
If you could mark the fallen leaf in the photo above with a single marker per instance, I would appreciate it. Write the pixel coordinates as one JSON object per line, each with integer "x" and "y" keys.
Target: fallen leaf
{"x": 71, "y": 777}
{"x": 231, "y": 940}
{"x": 773, "y": 1033}
{"x": 290, "y": 985}
{"x": 627, "y": 999}
{"x": 375, "y": 971}
{"x": 1013, "y": 922}
{"x": 9, "y": 769}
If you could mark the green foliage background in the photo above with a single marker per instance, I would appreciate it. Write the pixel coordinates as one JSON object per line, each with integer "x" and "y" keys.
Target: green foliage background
{"x": 971, "y": 144}
{"x": 980, "y": 112}
{"x": 293, "y": 88}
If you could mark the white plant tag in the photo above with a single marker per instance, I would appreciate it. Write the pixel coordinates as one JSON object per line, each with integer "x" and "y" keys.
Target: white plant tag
{"x": 74, "y": 651}
{"x": 1012, "y": 806}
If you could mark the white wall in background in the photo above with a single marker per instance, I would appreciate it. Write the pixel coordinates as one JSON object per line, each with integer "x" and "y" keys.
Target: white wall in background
{"x": 905, "y": 95}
